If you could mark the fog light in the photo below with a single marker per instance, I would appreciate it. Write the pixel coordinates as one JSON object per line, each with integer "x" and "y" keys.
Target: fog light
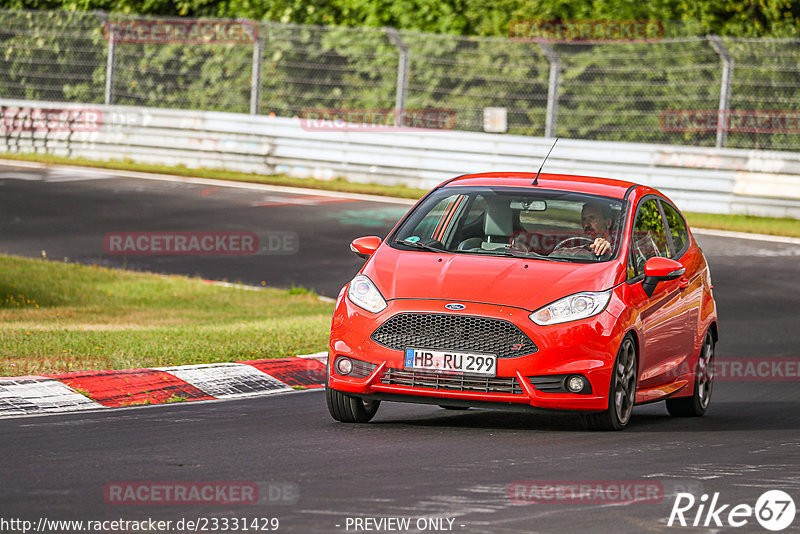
{"x": 575, "y": 383}
{"x": 344, "y": 366}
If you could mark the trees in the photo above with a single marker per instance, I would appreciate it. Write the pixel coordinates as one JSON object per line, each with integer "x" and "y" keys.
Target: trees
{"x": 739, "y": 18}
{"x": 616, "y": 92}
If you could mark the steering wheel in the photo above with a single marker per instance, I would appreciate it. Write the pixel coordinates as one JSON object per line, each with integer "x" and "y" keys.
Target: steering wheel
{"x": 588, "y": 241}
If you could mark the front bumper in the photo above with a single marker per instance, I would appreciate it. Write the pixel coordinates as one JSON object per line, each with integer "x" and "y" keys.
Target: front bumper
{"x": 587, "y": 347}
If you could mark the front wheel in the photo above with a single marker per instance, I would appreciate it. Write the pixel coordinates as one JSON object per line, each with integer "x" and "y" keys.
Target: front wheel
{"x": 621, "y": 394}
{"x": 347, "y": 409}
{"x": 697, "y": 404}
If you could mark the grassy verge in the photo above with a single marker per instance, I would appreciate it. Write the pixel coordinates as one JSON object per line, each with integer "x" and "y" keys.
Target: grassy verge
{"x": 745, "y": 223}
{"x": 57, "y": 317}
{"x": 733, "y": 223}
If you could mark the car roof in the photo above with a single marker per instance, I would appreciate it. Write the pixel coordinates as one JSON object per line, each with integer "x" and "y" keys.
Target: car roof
{"x": 606, "y": 187}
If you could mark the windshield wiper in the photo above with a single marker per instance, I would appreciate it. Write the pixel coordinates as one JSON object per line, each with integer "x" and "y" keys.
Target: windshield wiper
{"x": 418, "y": 244}
{"x": 520, "y": 254}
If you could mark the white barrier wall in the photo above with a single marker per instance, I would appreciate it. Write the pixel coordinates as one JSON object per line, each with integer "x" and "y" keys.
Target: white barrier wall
{"x": 698, "y": 179}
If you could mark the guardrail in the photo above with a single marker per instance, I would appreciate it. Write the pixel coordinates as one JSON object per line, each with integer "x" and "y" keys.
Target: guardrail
{"x": 698, "y": 179}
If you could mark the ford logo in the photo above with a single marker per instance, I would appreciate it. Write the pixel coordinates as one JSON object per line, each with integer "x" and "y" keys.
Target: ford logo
{"x": 454, "y": 306}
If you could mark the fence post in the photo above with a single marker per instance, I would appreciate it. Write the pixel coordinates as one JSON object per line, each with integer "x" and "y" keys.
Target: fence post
{"x": 551, "y": 119}
{"x": 255, "y": 84}
{"x": 725, "y": 88}
{"x": 402, "y": 73}
{"x": 110, "y": 60}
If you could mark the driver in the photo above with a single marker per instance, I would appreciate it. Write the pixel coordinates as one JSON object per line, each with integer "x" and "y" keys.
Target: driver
{"x": 596, "y": 221}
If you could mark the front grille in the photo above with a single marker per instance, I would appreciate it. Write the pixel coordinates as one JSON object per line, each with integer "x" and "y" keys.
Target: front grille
{"x": 454, "y": 382}
{"x": 465, "y": 333}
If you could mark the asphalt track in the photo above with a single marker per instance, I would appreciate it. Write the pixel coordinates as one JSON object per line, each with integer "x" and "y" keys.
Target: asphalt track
{"x": 412, "y": 461}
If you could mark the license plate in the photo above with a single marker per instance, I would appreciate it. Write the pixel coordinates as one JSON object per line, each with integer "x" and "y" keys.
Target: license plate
{"x": 455, "y": 362}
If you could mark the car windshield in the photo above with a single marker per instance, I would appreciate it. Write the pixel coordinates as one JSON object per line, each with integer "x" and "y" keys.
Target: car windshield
{"x": 551, "y": 225}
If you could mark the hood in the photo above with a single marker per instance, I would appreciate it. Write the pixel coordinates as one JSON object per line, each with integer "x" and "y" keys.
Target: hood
{"x": 522, "y": 283}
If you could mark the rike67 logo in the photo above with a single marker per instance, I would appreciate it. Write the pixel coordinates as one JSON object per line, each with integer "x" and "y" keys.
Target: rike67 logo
{"x": 774, "y": 510}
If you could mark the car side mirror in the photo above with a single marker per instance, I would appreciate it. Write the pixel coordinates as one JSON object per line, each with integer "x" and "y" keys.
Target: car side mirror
{"x": 365, "y": 246}
{"x": 658, "y": 269}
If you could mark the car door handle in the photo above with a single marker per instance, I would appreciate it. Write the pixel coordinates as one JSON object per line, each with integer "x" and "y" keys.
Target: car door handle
{"x": 683, "y": 283}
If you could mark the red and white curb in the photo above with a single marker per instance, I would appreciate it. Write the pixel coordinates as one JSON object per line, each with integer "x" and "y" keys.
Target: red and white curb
{"x": 35, "y": 394}
{"x": 89, "y": 390}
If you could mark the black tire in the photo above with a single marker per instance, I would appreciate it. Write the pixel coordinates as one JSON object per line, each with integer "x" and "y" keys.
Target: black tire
{"x": 697, "y": 404}
{"x": 349, "y": 409}
{"x": 621, "y": 391}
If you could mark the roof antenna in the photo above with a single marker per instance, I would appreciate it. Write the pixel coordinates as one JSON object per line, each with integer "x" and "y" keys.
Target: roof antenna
{"x": 536, "y": 180}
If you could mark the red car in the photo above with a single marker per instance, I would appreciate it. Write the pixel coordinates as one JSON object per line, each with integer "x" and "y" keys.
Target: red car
{"x": 511, "y": 291}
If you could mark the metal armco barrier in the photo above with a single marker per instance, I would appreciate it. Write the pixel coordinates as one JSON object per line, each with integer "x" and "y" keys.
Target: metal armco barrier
{"x": 698, "y": 179}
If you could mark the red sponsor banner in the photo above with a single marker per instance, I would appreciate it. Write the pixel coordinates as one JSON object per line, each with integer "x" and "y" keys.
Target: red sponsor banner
{"x": 181, "y": 243}
{"x": 585, "y": 31}
{"x": 30, "y": 119}
{"x": 749, "y": 369}
{"x": 332, "y": 120}
{"x": 586, "y": 491}
{"x": 738, "y": 121}
{"x": 181, "y": 493}
{"x": 181, "y": 31}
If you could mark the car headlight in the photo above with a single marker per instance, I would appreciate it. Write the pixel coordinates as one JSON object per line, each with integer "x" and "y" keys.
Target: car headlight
{"x": 363, "y": 293}
{"x": 572, "y": 308}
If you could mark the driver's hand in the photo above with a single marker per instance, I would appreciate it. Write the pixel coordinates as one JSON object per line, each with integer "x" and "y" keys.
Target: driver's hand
{"x": 600, "y": 246}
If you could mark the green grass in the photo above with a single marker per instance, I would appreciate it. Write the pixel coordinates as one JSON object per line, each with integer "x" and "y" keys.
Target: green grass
{"x": 745, "y": 223}
{"x": 734, "y": 223}
{"x": 58, "y": 317}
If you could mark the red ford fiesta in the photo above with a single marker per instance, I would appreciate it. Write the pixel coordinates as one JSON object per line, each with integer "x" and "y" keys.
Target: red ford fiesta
{"x": 508, "y": 291}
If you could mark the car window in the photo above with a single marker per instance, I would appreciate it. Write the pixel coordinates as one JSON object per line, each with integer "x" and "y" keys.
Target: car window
{"x": 556, "y": 225}
{"x": 649, "y": 237}
{"x": 677, "y": 228}
{"x": 476, "y": 210}
{"x": 558, "y": 215}
{"x": 631, "y": 268}
{"x": 431, "y": 226}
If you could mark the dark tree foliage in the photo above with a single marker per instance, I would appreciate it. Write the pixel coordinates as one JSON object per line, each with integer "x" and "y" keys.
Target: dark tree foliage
{"x": 740, "y": 18}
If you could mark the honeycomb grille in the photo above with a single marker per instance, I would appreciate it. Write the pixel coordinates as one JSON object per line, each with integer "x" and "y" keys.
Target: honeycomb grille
{"x": 466, "y": 333}
{"x": 452, "y": 382}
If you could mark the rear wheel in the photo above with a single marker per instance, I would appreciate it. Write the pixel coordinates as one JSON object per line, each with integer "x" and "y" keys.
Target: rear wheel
{"x": 349, "y": 409}
{"x": 697, "y": 404}
{"x": 622, "y": 392}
